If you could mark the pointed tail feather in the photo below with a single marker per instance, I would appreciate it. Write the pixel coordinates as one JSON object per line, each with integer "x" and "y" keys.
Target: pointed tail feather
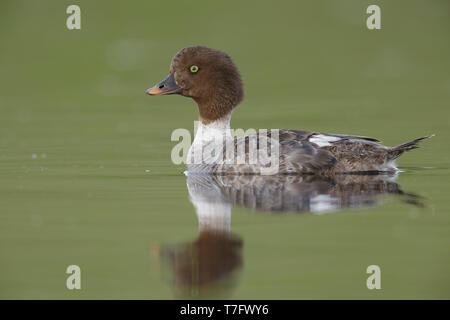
{"x": 407, "y": 146}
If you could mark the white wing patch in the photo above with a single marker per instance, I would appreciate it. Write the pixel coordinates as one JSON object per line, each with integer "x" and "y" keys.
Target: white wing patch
{"x": 322, "y": 140}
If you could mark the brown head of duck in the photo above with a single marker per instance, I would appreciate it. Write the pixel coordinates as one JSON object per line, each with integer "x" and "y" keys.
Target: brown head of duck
{"x": 206, "y": 75}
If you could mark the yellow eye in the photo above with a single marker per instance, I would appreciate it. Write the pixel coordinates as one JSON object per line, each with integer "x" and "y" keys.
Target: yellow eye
{"x": 193, "y": 69}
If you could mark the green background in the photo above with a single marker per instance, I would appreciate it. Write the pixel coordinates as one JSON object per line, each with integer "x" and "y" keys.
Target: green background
{"x": 77, "y": 135}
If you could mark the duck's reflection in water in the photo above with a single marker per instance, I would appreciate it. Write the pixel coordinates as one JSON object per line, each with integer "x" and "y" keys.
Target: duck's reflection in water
{"x": 207, "y": 267}
{"x": 293, "y": 193}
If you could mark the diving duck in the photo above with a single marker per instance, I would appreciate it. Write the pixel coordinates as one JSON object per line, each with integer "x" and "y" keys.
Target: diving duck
{"x": 212, "y": 80}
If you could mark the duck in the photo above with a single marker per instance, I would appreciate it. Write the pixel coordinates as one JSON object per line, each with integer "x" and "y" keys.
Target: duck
{"x": 211, "y": 78}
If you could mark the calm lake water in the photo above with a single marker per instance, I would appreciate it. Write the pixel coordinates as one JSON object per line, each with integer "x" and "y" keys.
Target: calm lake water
{"x": 86, "y": 177}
